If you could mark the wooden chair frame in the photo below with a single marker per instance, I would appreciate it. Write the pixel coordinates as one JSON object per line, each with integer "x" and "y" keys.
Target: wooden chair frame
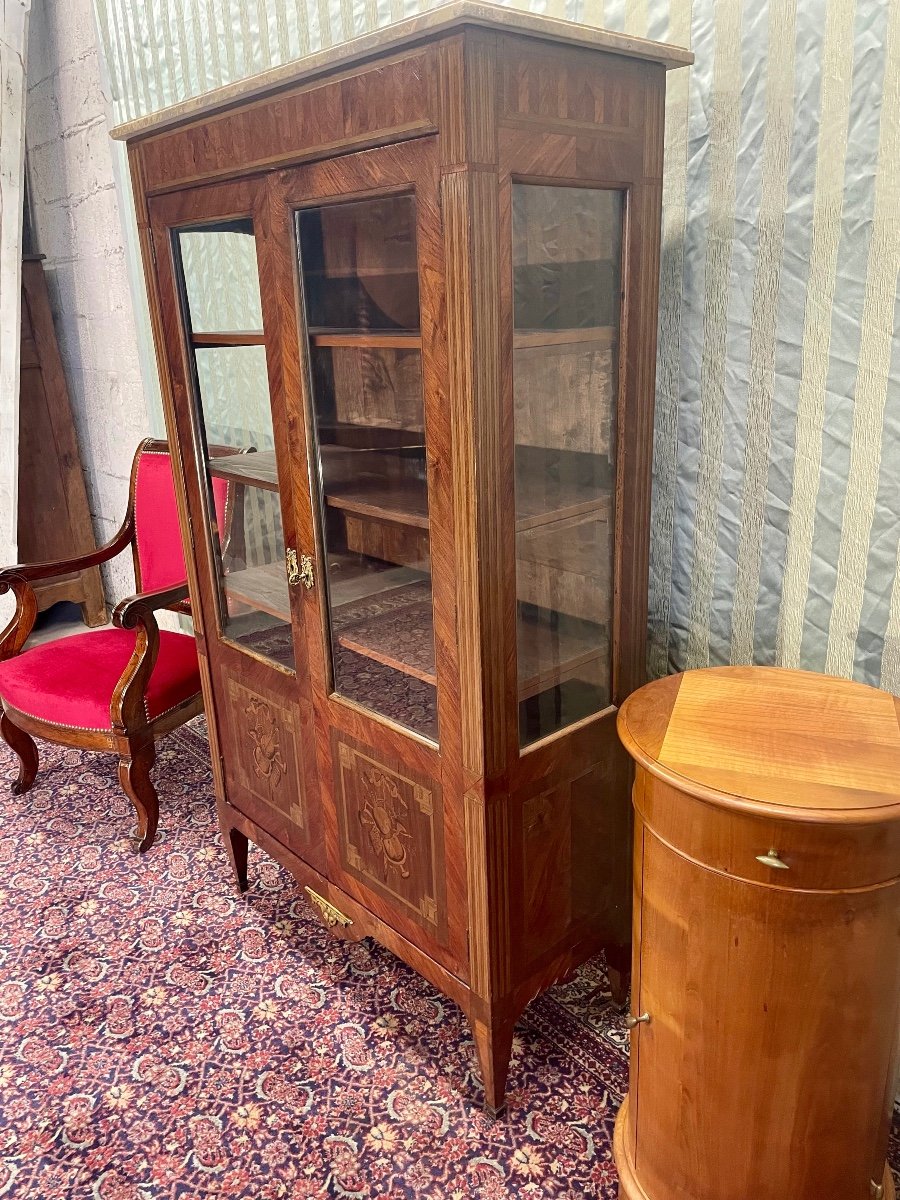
{"x": 132, "y": 735}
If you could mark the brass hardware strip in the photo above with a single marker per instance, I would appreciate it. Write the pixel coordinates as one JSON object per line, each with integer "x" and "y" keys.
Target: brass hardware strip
{"x": 330, "y": 915}
{"x": 306, "y": 571}
{"x": 299, "y": 568}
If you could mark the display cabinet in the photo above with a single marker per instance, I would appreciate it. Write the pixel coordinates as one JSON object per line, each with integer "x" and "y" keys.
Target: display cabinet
{"x": 412, "y": 282}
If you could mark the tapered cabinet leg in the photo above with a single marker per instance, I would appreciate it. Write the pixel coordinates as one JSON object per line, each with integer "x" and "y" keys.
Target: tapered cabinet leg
{"x": 618, "y": 969}
{"x": 134, "y": 776}
{"x": 237, "y": 845}
{"x": 24, "y": 749}
{"x": 494, "y": 1046}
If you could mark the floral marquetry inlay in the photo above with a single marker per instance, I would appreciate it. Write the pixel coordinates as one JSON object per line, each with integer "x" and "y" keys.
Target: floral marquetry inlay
{"x": 391, "y": 831}
{"x": 265, "y": 742}
{"x": 265, "y": 760}
{"x": 383, "y": 818}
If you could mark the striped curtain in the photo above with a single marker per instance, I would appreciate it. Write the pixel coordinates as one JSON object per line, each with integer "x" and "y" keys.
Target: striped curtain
{"x": 776, "y": 504}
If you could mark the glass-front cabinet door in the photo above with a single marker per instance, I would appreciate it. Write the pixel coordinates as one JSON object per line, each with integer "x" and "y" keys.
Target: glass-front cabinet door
{"x": 567, "y": 296}
{"x": 222, "y": 313}
{"x": 367, "y": 342}
{"x": 232, "y": 422}
{"x": 358, "y": 267}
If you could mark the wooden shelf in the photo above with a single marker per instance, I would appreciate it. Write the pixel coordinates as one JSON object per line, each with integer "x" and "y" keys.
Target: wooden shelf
{"x": 541, "y": 499}
{"x": 380, "y": 339}
{"x": 596, "y": 335}
{"x": 402, "y": 501}
{"x": 264, "y": 588}
{"x": 237, "y": 337}
{"x": 361, "y": 272}
{"x": 549, "y": 656}
{"x": 402, "y": 637}
{"x": 257, "y": 469}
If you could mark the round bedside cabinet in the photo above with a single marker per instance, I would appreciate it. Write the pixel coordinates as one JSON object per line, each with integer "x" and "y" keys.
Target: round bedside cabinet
{"x": 766, "y": 984}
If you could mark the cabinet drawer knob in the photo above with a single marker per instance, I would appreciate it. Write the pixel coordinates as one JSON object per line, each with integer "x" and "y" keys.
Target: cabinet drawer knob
{"x": 877, "y": 1190}
{"x": 633, "y": 1022}
{"x": 772, "y": 859}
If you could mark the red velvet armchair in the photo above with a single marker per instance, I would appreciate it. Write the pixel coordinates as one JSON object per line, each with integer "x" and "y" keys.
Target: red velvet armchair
{"x": 122, "y": 687}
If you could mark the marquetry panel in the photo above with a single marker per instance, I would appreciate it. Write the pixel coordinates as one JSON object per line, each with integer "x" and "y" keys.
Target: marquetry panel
{"x": 266, "y": 757}
{"x": 570, "y": 88}
{"x": 388, "y": 101}
{"x": 390, "y": 828}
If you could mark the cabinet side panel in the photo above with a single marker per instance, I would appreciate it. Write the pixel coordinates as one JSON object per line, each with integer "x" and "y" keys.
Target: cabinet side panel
{"x": 572, "y": 846}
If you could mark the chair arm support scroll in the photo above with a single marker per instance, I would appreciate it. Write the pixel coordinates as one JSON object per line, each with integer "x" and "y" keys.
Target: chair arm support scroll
{"x": 127, "y": 710}
{"x": 21, "y": 623}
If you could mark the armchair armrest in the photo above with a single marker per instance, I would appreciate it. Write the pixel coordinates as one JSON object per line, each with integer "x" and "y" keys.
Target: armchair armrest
{"x": 140, "y": 608}
{"x": 127, "y": 710}
{"x": 18, "y": 580}
{"x": 66, "y": 566}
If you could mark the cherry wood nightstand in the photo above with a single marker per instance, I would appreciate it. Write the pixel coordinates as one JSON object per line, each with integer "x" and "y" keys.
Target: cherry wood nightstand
{"x": 766, "y": 973}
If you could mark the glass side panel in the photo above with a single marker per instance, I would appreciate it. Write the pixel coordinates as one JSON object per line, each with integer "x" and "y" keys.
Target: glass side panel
{"x": 567, "y": 250}
{"x": 231, "y": 393}
{"x": 361, "y": 293}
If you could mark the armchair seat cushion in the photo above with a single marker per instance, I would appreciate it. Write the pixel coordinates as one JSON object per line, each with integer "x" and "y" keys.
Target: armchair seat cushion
{"x": 70, "y": 682}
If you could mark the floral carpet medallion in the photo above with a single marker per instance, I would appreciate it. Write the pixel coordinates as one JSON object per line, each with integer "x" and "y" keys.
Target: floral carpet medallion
{"x": 162, "y": 1037}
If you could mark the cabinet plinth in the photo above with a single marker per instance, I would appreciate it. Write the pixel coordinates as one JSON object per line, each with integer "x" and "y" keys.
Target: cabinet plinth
{"x": 405, "y": 307}
{"x": 767, "y": 913}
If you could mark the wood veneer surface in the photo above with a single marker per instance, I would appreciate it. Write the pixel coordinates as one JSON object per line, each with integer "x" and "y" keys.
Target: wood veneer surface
{"x": 766, "y": 975}
{"x": 395, "y": 37}
{"x": 427, "y": 813}
{"x": 793, "y": 740}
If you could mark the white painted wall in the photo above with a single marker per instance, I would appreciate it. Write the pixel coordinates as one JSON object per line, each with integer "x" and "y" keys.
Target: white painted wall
{"x": 78, "y": 226}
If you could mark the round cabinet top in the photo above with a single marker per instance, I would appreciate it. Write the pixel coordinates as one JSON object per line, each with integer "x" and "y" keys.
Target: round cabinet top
{"x": 792, "y": 743}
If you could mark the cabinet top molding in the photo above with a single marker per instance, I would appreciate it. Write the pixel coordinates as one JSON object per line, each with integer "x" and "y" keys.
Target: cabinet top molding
{"x": 771, "y": 741}
{"x": 399, "y": 36}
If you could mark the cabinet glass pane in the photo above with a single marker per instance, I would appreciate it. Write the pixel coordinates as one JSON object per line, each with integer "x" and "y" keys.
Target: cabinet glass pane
{"x": 231, "y": 390}
{"x": 567, "y": 249}
{"x": 220, "y": 277}
{"x": 361, "y": 294}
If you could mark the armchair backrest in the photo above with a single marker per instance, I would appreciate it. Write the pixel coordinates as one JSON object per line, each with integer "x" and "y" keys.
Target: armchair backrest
{"x": 158, "y": 550}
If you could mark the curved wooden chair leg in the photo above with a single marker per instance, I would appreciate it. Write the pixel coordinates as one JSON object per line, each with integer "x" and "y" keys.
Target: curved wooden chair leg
{"x": 134, "y": 776}
{"x": 24, "y": 749}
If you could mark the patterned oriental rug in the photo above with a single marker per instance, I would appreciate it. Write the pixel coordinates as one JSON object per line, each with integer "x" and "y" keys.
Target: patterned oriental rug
{"x": 161, "y": 1037}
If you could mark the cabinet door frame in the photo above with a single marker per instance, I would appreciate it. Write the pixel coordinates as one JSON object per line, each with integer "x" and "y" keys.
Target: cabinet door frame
{"x": 284, "y": 692}
{"x": 537, "y": 161}
{"x": 410, "y": 167}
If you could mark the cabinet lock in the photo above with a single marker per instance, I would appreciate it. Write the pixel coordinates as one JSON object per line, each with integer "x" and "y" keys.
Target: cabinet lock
{"x": 299, "y": 568}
